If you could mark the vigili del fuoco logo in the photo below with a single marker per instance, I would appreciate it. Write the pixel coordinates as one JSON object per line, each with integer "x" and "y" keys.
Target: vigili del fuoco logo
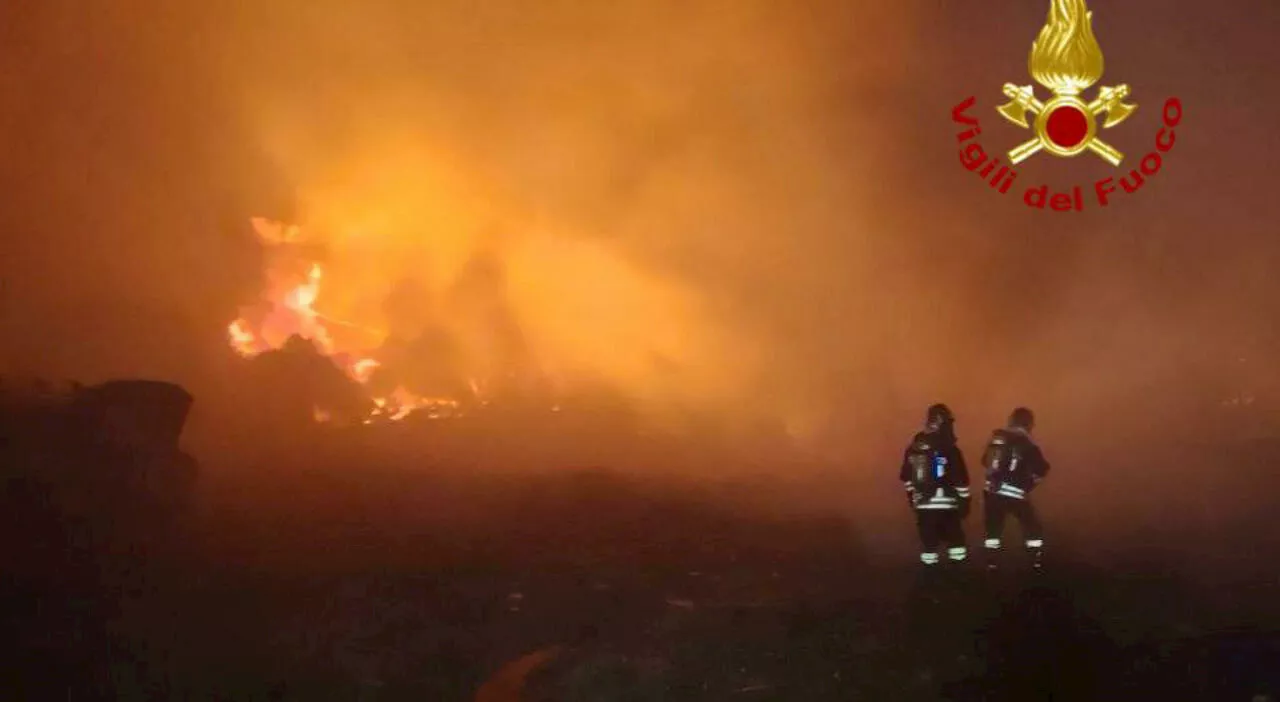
{"x": 1066, "y": 60}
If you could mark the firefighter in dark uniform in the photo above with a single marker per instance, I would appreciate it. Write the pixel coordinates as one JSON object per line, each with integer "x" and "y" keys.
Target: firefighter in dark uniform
{"x": 937, "y": 483}
{"x": 1014, "y": 467}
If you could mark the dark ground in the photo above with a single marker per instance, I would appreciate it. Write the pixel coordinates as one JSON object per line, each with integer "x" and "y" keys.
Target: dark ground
{"x": 631, "y": 591}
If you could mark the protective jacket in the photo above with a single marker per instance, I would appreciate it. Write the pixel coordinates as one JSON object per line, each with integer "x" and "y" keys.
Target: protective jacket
{"x": 1014, "y": 463}
{"x": 934, "y": 472}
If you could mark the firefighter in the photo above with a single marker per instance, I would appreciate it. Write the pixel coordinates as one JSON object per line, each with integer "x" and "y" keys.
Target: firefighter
{"x": 1014, "y": 467}
{"x": 937, "y": 483}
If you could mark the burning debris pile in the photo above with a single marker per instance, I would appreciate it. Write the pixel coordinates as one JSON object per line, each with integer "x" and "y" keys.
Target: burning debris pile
{"x": 367, "y": 374}
{"x": 557, "y": 340}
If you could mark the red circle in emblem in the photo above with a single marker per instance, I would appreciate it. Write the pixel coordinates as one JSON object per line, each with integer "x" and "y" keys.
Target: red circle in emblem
{"x": 1067, "y": 126}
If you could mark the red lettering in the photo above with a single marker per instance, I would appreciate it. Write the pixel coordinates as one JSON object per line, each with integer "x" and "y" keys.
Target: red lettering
{"x": 958, "y": 112}
{"x": 1104, "y": 188}
{"x": 973, "y": 156}
{"x": 1154, "y": 159}
{"x": 1174, "y": 105}
{"x": 999, "y": 176}
{"x": 1035, "y": 197}
{"x": 1004, "y": 189}
{"x": 1138, "y": 182}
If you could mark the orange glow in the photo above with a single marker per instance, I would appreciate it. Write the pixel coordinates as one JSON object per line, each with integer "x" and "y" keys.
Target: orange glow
{"x": 363, "y": 368}
{"x": 513, "y": 312}
{"x": 242, "y": 340}
{"x": 291, "y": 310}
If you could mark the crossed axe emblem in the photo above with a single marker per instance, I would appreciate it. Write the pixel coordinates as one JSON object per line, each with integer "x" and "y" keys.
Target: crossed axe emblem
{"x": 1023, "y": 101}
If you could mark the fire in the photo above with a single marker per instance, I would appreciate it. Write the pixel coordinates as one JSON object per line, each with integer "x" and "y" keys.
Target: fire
{"x": 362, "y": 369}
{"x": 1066, "y": 58}
{"x": 242, "y": 340}
{"x": 291, "y": 303}
{"x": 444, "y": 318}
{"x": 400, "y": 403}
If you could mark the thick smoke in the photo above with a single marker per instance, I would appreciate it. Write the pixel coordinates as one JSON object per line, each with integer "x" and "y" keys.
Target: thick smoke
{"x": 666, "y": 187}
{"x": 750, "y": 206}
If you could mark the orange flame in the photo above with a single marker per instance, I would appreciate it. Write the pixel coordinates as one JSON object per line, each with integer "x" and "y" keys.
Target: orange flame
{"x": 242, "y": 340}
{"x": 363, "y": 369}
{"x": 401, "y": 403}
{"x": 293, "y": 311}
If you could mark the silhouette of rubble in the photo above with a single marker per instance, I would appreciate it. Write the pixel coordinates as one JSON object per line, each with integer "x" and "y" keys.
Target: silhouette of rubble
{"x": 294, "y": 381}
{"x": 102, "y": 452}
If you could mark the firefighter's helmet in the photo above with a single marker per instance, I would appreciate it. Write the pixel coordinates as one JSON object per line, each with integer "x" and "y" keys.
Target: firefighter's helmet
{"x": 939, "y": 415}
{"x": 1022, "y": 418}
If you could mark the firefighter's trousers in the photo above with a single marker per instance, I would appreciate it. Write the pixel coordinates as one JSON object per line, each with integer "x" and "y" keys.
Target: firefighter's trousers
{"x": 997, "y": 509}
{"x": 939, "y": 527}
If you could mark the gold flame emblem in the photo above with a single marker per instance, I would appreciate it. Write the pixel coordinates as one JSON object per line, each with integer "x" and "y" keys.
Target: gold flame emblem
{"x": 1066, "y": 59}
